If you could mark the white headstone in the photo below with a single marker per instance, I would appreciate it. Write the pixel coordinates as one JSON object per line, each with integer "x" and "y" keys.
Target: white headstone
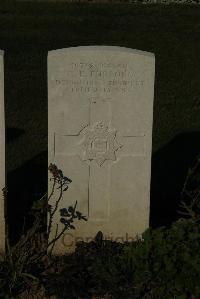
{"x": 100, "y": 105}
{"x": 2, "y": 154}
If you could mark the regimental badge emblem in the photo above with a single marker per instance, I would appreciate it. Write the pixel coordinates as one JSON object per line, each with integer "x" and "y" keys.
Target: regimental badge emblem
{"x": 100, "y": 143}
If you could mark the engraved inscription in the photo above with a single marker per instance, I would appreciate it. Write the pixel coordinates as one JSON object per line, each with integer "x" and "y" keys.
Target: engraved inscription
{"x": 102, "y": 77}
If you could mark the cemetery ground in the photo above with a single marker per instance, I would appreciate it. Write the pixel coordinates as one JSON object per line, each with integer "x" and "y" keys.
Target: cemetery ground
{"x": 166, "y": 263}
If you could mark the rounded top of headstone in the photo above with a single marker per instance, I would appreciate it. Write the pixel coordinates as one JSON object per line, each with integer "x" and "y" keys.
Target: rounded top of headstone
{"x": 2, "y": 52}
{"x": 101, "y": 48}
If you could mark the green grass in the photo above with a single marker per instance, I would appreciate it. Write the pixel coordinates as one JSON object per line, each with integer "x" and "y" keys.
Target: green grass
{"x": 29, "y": 30}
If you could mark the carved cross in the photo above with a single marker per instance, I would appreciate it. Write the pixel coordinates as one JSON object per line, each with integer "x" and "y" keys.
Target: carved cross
{"x": 99, "y": 145}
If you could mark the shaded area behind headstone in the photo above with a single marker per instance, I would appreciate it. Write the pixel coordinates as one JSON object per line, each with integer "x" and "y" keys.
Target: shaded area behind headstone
{"x": 25, "y": 185}
{"x": 169, "y": 170}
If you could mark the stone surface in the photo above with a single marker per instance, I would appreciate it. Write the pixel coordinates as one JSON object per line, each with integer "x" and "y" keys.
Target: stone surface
{"x": 100, "y": 105}
{"x": 2, "y": 153}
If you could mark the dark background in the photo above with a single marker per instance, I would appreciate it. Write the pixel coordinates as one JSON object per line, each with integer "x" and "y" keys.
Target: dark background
{"x": 29, "y": 30}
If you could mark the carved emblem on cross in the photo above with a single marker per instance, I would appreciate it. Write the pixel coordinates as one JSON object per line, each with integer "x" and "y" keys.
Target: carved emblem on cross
{"x": 100, "y": 143}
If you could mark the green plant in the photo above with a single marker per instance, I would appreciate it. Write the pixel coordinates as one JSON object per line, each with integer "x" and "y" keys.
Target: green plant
{"x": 190, "y": 204}
{"x": 25, "y": 263}
{"x": 164, "y": 264}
